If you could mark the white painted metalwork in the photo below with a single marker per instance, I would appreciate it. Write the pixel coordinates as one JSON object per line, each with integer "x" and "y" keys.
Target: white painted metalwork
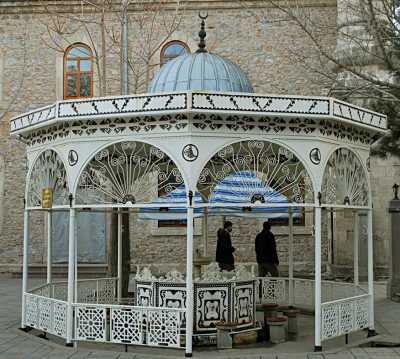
{"x": 48, "y": 171}
{"x": 128, "y": 324}
{"x": 355, "y": 247}
{"x": 25, "y": 268}
{"x": 71, "y": 274}
{"x": 49, "y": 247}
{"x": 101, "y": 291}
{"x": 276, "y": 167}
{"x": 317, "y": 274}
{"x": 189, "y": 280}
{"x": 345, "y": 180}
{"x": 127, "y": 172}
{"x": 272, "y": 290}
{"x": 344, "y": 316}
{"x": 114, "y": 106}
{"x": 129, "y": 150}
{"x": 304, "y": 292}
{"x": 47, "y": 314}
{"x": 371, "y": 324}
{"x": 119, "y": 256}
{"x": 291, "y": 259}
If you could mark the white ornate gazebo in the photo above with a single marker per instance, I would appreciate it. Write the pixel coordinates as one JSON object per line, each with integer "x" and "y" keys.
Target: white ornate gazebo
{"x": 123, "y": 151}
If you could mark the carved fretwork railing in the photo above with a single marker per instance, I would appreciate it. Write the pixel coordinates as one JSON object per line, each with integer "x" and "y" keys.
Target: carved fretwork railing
{"x": 128, "y": 324}
{"x": 344, "y": 306}
{"x": 343, "y": 316}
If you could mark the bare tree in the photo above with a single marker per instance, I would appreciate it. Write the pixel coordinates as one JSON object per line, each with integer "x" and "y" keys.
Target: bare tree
{"x": 151, "y": 24}
{"x": 8, "y": 104}
{"x": 362, "y": 64}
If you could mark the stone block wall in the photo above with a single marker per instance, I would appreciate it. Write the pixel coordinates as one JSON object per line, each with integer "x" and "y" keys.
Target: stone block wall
{"x": 265, "y": 50}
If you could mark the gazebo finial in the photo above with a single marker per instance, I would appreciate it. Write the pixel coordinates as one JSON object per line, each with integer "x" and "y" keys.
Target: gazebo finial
{"x": 202, "y": 33}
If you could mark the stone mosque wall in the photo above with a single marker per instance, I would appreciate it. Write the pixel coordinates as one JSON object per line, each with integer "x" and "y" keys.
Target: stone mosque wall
{"x": 31, "y": 77}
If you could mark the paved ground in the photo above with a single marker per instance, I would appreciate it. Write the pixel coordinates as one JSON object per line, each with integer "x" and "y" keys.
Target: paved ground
{"x": 15, "y": 344}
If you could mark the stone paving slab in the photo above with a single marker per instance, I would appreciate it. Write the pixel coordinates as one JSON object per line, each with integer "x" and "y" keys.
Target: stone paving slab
{"x": 15, "y": 344}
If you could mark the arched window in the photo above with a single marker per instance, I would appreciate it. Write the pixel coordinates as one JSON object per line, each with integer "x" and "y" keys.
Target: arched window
{"x": 173, "y": 49}
{"x": 78, "y": 72}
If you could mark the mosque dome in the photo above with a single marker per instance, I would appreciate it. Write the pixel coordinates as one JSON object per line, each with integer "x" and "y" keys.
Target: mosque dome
{"x": 200, "y": 70}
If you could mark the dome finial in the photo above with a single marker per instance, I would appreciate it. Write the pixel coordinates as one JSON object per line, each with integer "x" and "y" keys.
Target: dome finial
{"x": 202, "y": 33}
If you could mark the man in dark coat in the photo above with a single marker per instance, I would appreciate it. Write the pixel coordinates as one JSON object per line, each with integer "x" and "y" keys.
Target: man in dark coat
{"x": 267, "y": 258}
{"x": 224, "y": 255}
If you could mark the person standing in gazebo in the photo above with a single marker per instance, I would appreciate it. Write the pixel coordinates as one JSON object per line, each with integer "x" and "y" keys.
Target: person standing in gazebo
{"x": 267, "y": 257}
{"x": 224, "y": 255}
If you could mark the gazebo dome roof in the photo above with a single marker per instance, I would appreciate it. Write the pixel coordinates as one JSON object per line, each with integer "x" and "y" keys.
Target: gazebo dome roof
{"x": 200, "y": 71}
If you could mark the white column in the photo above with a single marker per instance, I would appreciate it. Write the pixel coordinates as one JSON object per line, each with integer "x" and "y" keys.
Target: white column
{"x": 189, "y": 282}
{"x": 205, "y": 231}
{"x": 317, "y": 225}
{"x": 355, "y": 247}
{"x": 71, "y": 274}
{"x": 25, "y": 263}
{"x": 49, "y": 246}
{"x": 371, "y": 326}
{"x": 76, "y": 257}
{"x": 119, "y": 256}
{"x": 291, "y": 284}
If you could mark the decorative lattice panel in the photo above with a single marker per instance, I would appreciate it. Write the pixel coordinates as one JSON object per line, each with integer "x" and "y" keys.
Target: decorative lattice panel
{"x": 273, "y": 290}
{"x": 163, "y": 328}
{"x": 144, "y": 293}
{"x": 31, "y": 310}
{"x": 90, "y": 323}
{"x": 304, "y": 292}
{"x": 243, "y": 303}
{"x": 212, "y": 303}
{"x": 60, "y": 291}
{"x": 107, "y": 290}
{"x": 45, "y": 314}
{"x": 87, "y": 292}
{"x": 346, "y": 322}
{"x": 127, "y": 326}
{"x": 330, "y": 321}
{"x": 344, "y": 316}
{"x": 361, "y": 313}
{"x": 60, "y": 319}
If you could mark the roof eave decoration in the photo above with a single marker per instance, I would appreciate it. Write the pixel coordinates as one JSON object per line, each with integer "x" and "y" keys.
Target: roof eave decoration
{"x": 198, "y": 101}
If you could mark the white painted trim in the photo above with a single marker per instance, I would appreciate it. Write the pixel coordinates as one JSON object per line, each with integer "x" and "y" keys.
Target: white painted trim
{"x": 317, "y": 334}
{"x": 71, "y": 274}
{"x": 189, "y": 281}
{"x": 370, "y": 272}
{"x": 25, "y": 265}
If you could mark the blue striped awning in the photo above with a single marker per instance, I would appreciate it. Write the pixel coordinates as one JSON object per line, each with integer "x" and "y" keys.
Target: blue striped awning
{"x": 177, "y": 196}
{"x": 245, "y": 187}
{"x": 240, "y": 187}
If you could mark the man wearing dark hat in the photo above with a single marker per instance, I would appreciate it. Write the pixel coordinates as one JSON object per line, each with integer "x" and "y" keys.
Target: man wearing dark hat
{"x": 224, "y": 255}
{"x": 267, "y": 258}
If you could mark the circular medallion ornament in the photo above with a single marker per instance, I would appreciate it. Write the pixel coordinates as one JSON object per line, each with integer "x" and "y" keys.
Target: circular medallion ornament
{"x": 368, "y": 164}
{"x": 315, "y": 156}
{"x": 190, "y": 152}
{"x": 72, "y": 157}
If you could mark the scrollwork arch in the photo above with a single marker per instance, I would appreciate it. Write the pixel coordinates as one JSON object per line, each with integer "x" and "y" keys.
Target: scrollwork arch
{"x": 127, "y": 172}
{"x": 265, "y": 169}
{"x": 345, "y": 179}
{"x": 48, "y": 171}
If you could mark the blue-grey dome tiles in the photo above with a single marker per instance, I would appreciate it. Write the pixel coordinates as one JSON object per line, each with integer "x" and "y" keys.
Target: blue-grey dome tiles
{"x": 200, "y": 71}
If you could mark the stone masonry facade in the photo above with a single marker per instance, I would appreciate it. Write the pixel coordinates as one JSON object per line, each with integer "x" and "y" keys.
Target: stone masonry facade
{"x": 31, "y": 77}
